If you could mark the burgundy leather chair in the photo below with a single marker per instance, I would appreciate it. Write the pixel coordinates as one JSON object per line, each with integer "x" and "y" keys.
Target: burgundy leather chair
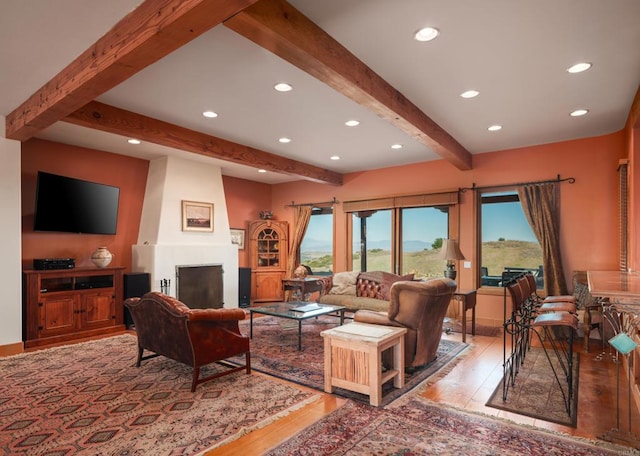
{"x": 195, "y": 337}
{"x": 420, "y": 307}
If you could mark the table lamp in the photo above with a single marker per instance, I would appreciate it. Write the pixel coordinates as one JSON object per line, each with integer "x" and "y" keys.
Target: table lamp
{"x": 450, "y": 252}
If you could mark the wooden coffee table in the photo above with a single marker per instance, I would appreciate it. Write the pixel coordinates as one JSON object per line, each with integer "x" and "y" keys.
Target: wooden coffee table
{"x": 296, "y": 310}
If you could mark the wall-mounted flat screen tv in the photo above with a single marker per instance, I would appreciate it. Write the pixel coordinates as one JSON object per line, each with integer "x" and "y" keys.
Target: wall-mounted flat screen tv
{"x": 69, "y": 205}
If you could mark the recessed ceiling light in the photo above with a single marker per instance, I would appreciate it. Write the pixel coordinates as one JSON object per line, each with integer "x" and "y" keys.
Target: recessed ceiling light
{"x": 283, "y": 87}
{"x": 396, "y": 146}
{"x": 470, "y": 94}
{"x": 426, "y": 34}
{"x": 579, "y": 67}
{"x": 285, "y": 140}
{"x": 335, "y": 157}
{"x": 495, "y": 128}
{"x": 262, "y": 170}
{"x": 133, "y": 141}
{"x": 579, "y": 112}
{"x": 352, "y": 123}
{"x": 210, "y": 114}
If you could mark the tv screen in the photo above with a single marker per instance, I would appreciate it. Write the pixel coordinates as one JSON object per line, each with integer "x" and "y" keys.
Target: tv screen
{"x": 71, "y": 205}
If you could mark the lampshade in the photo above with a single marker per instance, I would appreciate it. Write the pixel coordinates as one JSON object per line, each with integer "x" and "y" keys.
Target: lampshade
{"x": 450, "y": 250}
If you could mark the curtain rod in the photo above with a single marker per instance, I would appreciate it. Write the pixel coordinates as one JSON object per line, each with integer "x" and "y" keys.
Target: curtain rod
{"x": 570, "y": 180}
{"x": 322, "y": 204}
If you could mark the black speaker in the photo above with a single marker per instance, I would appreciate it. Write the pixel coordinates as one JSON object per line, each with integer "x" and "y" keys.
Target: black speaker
{"x": 244, "y": 287}
{"x": 135, "y": 285}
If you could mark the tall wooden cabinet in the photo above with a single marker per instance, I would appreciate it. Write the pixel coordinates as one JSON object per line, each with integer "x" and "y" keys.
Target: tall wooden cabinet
{"x": 268, "y": 244}
{"x": 61, "y": 305}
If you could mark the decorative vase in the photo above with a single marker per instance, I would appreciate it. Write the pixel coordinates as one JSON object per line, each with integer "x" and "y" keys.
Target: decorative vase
{"x": 102, "y": 257}
{"x": 300, "y": 272}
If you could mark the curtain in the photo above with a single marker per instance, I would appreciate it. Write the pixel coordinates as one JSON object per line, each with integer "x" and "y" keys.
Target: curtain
{"x": 541, "y": 207}
{"x": 302, "y": 215}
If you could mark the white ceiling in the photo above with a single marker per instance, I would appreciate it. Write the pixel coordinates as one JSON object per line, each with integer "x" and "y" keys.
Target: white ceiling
{"x": 514, "y": 52}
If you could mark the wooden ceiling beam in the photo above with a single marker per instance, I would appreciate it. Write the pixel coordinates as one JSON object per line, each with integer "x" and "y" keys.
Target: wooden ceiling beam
{"x": 110, "y": 119}
{"x": 144, "y": 36}
{"x": 279, "y": 27}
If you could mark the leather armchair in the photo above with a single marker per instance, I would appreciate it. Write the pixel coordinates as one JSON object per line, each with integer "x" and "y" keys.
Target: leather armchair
{"x": 195, "y": 337}
{"x": 420, "y": 307}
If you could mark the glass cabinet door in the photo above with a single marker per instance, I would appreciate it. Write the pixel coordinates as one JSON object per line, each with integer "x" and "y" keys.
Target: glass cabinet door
{"x": 268, "y": 248}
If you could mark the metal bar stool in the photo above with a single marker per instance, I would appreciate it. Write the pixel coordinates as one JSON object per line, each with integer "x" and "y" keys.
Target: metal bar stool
{"x": 549, "y": 299}
{"x": 562, "y": 322}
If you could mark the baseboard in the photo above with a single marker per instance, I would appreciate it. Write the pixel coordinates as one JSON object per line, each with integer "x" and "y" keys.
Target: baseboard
{"x": 11, "y": 349}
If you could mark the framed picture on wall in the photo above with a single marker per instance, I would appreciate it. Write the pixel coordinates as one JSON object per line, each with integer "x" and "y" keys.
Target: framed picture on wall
{"x": 237, "y": 237}
{"x": 197, "y": 216}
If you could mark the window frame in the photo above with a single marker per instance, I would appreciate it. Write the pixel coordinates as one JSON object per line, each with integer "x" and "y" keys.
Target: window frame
{"x": 450, "y": 198}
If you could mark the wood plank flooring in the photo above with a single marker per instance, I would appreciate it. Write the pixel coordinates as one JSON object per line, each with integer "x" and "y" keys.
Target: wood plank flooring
{"x": 468, "y": 387}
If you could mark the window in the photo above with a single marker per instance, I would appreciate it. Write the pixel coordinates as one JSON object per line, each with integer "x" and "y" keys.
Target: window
{"x": 372, "y": 241}
{"x": 508, "y": 245}
{"x": 316, "y": 249}
{"x": 400, "y": 240}
{"x": 402, "y": 234}
{"x": 423, "y": 229}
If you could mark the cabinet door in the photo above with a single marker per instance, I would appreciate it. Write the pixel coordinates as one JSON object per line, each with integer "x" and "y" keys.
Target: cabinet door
{"x": 268, "y": 286}
{"x": 98, "y": 310}
{"x": 57, "y": 314}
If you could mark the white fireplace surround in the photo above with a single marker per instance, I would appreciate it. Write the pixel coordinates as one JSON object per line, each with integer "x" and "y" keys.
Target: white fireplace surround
{"x": 162, "y": 245}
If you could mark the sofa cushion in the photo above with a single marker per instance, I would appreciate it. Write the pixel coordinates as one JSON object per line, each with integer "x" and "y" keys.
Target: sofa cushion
{"x": 377, "y": 284}
{"x": 354, "y": 303}
{"x": 344, "y": 283}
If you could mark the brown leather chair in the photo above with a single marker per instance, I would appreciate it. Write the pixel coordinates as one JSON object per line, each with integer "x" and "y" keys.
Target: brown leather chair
{"x": 420, "y": 307}
{"x": 195, "y": 337}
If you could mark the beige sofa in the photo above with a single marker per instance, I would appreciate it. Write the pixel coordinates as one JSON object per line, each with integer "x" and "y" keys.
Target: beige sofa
{"x": 361, "y": 290}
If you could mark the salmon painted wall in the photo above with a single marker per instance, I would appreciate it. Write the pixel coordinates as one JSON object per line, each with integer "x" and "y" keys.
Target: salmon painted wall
{"x": 127, "y": 173}
{"x": 632, "y": 145}
{"x": 588, "y": 207}
{"x": 245, "y": 199}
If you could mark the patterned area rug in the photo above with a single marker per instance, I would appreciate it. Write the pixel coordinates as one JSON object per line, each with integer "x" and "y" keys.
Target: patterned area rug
{"x": 413, "y": 426}
{"x": 274, "y": 350}
{"x": 90, "y": 398}
{"x": 536, "y": 392}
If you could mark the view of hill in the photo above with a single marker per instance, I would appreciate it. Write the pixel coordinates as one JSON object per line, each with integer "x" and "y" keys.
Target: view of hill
{"x": 496, "y": 255}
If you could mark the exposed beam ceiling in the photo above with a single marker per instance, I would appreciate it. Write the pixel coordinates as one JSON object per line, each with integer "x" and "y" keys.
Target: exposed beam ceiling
{"x": 148, "y": 33}
{"x": 279, "y": 27}
{"x": 110, "y": 119}
{"x": 158, "y": 27}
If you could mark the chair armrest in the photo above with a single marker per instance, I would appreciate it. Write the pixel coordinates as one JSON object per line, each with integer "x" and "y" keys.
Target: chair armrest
{"x": 373, "y": 317}
{"x": 216, "y": 314}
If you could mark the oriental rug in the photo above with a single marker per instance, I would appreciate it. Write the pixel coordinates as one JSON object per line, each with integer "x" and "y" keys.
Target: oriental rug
{"x": 536, "y": 392}
{"x": 274, "y": 351}
{"x": 89, "y": 398}
{"x": 415, "y": 426}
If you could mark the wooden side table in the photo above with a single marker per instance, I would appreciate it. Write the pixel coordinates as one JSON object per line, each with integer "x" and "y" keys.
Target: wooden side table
{"x": 467, "y": 300}
{"x": 306, "y": 285}
{"x": 353, "y": 358}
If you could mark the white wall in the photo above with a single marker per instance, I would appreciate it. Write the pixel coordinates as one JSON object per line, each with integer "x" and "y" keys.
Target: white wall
{"x": 10, "y": 240}
{"x": 162, "y": 245}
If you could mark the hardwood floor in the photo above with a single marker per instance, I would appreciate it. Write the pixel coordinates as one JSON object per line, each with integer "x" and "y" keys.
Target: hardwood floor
{"x": 468, "y": 387}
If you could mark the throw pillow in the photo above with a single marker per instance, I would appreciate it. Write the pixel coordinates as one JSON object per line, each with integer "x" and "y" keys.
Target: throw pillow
{"x": 385, "y": 279}
{"x": 344, "y": 283}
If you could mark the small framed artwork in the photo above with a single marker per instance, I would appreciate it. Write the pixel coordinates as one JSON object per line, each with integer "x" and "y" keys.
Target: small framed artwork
{"x": 237, "y": 237}
{"x": 197, "y": 216}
